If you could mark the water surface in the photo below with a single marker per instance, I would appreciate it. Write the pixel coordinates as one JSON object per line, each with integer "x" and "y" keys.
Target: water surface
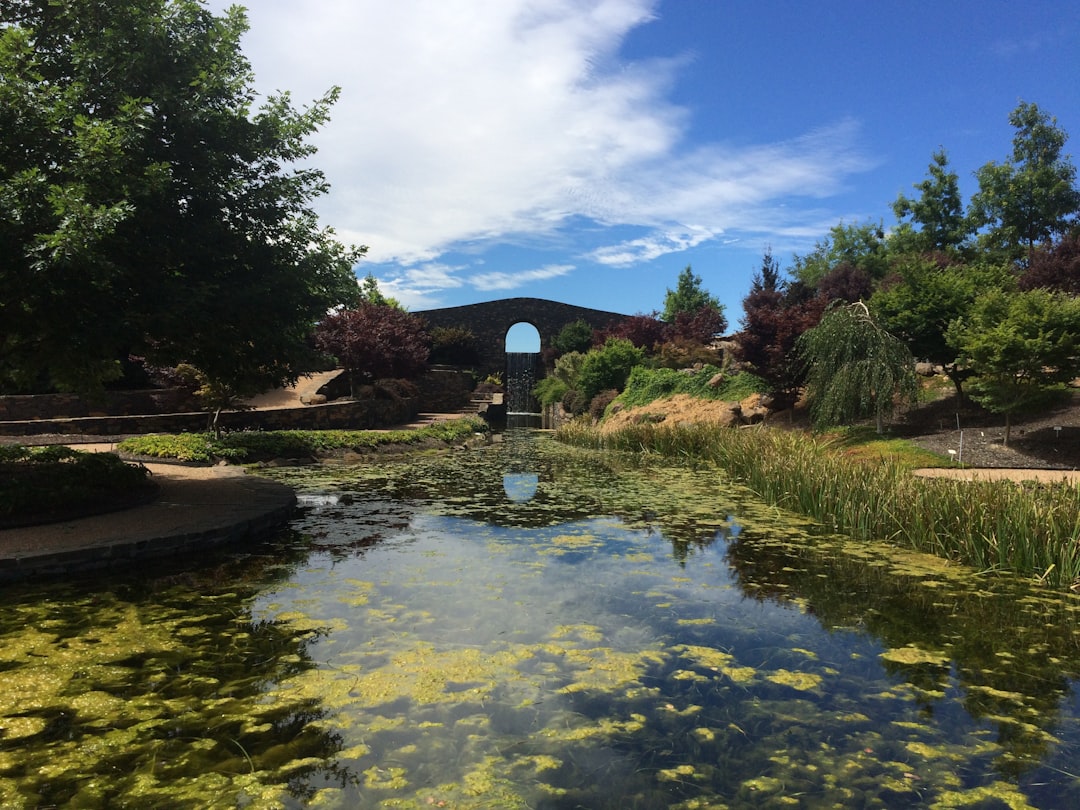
{"x": 533, "y": 626}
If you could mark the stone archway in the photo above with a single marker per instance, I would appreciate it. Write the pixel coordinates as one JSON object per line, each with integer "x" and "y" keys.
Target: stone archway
{"x": 491, "y": 320}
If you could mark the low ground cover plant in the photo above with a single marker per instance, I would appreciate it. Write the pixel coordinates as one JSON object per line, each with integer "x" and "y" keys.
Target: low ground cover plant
{"x": 646, "y": 385}
{"x": 254, "y": 446}
{"x": 38, "y": 484}
{"x": 1029, "y": 529}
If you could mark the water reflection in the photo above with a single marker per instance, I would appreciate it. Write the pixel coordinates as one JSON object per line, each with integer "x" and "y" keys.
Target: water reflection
{"x": 631, "y": 635}
{"x": 520, "y": 487}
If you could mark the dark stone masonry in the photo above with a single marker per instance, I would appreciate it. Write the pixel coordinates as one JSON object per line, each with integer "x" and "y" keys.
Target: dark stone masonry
{"x": 491, "y": 321}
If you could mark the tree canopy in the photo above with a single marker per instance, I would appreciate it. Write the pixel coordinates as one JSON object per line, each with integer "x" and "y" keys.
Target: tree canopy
{"x": 375, "y": 341}
{"x": 690, "y": 297}
{"x": 146, "y": 207}
{"x": 938, "y": 212}
{"x": 1031, "y": 198}
{"x": 1021, "y": 347}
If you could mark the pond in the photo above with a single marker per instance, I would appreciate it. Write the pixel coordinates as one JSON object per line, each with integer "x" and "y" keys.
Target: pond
{"x": 528, "y": 625}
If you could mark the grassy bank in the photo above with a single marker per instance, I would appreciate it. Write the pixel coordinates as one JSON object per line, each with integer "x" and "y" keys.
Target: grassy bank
{"x": 253, "y": 446}
{"x": 1029, "y": 529}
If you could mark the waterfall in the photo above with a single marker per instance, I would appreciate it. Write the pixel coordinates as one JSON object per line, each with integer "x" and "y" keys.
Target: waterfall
{"x": 521, "y": 377}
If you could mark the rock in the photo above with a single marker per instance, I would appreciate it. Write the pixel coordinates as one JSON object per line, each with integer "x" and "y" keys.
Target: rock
{"x": 313, "y": 399}
{"x": 716, "y": 380}
{"x": 755, "y": 408}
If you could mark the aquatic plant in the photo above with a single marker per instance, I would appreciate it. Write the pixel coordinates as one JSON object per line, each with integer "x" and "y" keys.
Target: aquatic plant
{"x": 1028, "y": 529}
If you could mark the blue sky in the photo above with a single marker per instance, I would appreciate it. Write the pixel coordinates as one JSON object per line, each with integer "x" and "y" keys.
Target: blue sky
{"x": 588, "y": 150}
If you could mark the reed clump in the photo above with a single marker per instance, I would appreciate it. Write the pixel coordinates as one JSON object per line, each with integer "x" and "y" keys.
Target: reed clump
{"x": 1025, "y": 528}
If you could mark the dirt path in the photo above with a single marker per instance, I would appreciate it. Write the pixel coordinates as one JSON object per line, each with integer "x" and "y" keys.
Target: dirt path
{"x": 999, "y": 474}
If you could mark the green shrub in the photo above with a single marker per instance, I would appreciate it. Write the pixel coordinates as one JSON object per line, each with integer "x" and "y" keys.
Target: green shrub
{"x": 608, "y": 367}
{"x": 254, "y": 445}
{"x": 574, "y": 337}
{"x": 550, "y": 390}
{"x": 43, "y": 482}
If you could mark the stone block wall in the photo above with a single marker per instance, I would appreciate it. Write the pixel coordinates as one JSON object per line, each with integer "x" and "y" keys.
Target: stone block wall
{"x": 346, "y": 415}
{"x": 110, "y": 403}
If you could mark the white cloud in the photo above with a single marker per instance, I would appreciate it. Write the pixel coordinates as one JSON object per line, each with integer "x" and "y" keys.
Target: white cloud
{"x": 474, "y": 121}
{"x": 510, "y": 281}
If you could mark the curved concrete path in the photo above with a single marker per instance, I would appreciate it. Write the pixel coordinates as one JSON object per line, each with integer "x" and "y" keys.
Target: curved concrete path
{"x": 196, "y": 507}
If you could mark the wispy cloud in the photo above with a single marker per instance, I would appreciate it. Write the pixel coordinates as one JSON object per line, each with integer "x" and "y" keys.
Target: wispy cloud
{"x": 465, "y": 123}
{"x": 511, "y": 281}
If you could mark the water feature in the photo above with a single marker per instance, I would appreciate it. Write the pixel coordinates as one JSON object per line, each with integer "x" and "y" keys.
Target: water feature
{"x": 522, "y": 374}
{"x": 532, "y": 626}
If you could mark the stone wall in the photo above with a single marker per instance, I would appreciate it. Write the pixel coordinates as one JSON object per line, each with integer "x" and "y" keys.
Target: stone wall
{"x": 490, "y": 321}
{"x": 342, "y": 415}
{"x": 445, "y": 390}
{"x": 110, "y": 403}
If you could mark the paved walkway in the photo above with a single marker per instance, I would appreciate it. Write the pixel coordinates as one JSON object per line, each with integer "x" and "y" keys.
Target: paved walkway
{"x": 196, "y": 507}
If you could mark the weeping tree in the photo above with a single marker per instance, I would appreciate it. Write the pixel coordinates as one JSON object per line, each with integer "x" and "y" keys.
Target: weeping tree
{"x": 854, "y": 368}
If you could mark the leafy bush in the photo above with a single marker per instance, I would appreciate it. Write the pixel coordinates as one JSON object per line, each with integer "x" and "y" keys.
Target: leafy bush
{"x": 608, "y": 367}
{"x": 38, "y": 483}
{"x": 550, "y": 390}
{"x": 574, "y": 337}
{"x": 600, "y": 402}
{"x": 256, "y": 445}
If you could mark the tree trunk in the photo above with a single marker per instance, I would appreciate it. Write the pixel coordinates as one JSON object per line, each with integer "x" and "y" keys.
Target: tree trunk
{"x": 1008, "y": 428}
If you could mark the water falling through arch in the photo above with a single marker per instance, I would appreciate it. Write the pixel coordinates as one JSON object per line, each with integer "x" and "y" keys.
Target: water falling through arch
{"x": 522, "y": 370}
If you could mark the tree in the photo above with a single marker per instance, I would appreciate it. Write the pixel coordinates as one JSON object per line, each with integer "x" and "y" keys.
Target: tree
{"x": 938, "y": 212}
{"x": 646, "y": 332}
{"x": 862, "y": 246}
{"x": 925, "y": 295}
{"x": 690, "y": 296}
{"x": 370, "y": 292}
{"x": 1022, "y": 348}
{"x": 855, "y": 368}
{"x": 574, "y": 337}
{"x": 374, "y": 341}
{"x": 775, "y": 314}
{"x": 144, "y": 209}
{"x": 1055, "y": 267}
{"x": 1031, "y": 198}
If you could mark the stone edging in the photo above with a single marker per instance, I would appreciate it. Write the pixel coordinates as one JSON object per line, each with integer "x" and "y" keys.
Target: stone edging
{"x": 60, "y": 561}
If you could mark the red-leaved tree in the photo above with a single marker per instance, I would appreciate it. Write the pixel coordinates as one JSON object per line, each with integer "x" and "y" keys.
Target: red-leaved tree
{"x": 375, "y": 341}
{"x": 1056, "y": 267}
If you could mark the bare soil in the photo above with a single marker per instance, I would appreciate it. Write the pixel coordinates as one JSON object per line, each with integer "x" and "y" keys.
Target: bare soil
{"x": 1049, "y": 439}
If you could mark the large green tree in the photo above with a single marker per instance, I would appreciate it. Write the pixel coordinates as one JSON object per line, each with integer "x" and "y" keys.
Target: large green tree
{"x": 146, "y": 206}
{"x": 689, "y": 297}
{"x": 1031, "y": 198}
{"x": 1021, "y": 347}
{"x": 935, "y": 220}
{"x": 925, "y": 295}
{"x": 859, "y": 246}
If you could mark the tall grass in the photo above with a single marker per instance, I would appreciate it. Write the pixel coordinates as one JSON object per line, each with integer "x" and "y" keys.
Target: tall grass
{"x": 1028, "y": 529}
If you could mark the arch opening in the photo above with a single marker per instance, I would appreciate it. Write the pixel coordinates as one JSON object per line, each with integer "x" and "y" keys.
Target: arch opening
{"x": 523, "y": 369}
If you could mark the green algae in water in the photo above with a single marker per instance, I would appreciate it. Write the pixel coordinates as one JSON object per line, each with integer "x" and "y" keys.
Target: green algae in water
{"x": 630, "y": 636}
